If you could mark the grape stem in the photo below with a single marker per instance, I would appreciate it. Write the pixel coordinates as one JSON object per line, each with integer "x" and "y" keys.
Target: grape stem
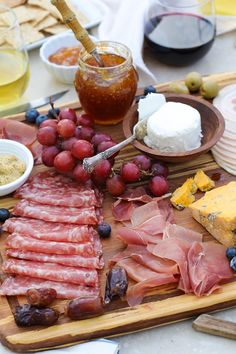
{"x": 53, "y": 109}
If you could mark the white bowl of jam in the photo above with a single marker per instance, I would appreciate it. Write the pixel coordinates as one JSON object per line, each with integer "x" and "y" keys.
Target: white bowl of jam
{"x": 60, "y": 56}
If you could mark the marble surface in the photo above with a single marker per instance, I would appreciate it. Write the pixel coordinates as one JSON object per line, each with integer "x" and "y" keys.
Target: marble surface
{"x": 178, "y": 338}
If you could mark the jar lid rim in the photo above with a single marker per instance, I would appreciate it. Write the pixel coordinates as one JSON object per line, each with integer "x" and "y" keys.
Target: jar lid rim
{"x": 111, "y": 44}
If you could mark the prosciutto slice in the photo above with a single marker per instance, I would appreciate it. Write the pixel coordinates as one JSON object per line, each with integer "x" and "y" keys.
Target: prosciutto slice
{"x": 144, "y": 213}
{"x": 70, "y": 260}
{"x": 36, "y": 150}
{"x": 80, "y": 216}
{"x": 208, "y": 265}
{"x": 146, "y": 278}
{"x": 175, "y": 246}
{"x": 122, "y": 209}
{"x": 136, "y": 194}
{"x": 135, "y": 270}
{"x": 151, "y": 218}
{"x": 48, "y": 230}
{"x": 18, "y": 131}
{"x": 136, "y": 236}
{"x": 27, "y": 243}
{"x": 20, "y": 284}
{"x": 137, "y": 292}
{"x": 180, "y": 232}
{"x": 175, "y": 250}
{"x": 141, "y": 255}
{"x": 51, "y": 271}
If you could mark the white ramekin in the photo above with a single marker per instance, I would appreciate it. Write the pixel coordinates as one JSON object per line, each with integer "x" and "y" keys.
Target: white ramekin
{"x": 10, "y": 147}
{"x": 62, "y": 73}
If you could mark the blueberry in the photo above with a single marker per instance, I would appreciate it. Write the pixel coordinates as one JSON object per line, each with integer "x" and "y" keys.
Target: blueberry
{"x": 53, "y": 112}
{"x": 4, "y": 214}
{"x": 233, "y": 263}
{"x": 31, "y": 115}
{"x": 231, "y": 252}
{"x": 40, "y": 119}
{"x": 149, "y": 89}
{"x": 104, "y": 230}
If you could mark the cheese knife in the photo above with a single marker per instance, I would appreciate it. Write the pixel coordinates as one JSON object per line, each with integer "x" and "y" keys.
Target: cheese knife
{"x": 33, "y": 104}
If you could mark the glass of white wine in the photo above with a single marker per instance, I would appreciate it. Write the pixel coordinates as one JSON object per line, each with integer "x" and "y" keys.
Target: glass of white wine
{"x": 14, "y": 62}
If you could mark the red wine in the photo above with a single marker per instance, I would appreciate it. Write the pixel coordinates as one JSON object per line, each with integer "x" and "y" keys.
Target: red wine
{"x": 179, "y": 39}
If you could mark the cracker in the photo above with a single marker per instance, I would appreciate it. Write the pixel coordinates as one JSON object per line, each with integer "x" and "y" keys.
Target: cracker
{"x": 22, "y": 15}
{"x": 2, "y": 23}
{"x": 13, "y": 3}
{"x": 30, "y": 34}
{"x": 39, "y": 14}
{"x": 2, "y": 41}
{"x": 55, "y": 29}
{"x": 47, "y": 22}
{"x": 46, "y": 5}
{"x": 37, "y": 18}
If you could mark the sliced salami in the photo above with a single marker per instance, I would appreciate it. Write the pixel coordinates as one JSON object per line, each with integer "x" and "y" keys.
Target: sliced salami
{"x": 65, "y": 259}
{"x": 76, "y": 197}
{"x": 48, "y": 230}
{"x": 27, "y": 243}
{"x": 50, "y": 271}
{"x": 79, "y": 216}
{"x": 20, "y": 284}
{"x": 96, "y": 242}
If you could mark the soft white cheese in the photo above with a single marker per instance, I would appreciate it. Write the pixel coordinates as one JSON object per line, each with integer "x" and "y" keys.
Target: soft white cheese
{"x": 150, "y": 104}
{"x": 174, "y": 127}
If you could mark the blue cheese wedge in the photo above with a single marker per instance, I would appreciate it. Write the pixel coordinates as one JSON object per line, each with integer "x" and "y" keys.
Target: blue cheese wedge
{"x": 216, "y": 211}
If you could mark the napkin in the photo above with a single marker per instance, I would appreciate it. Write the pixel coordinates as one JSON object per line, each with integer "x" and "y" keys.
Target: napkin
{"x": 125, "y": 19}
{"x": 100, "y": 346}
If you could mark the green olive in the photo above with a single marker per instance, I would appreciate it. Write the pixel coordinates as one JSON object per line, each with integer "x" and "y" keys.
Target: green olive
{"x": 209, "y": 89}
{"x": 193, "y": 81}
{"x": 177, "y": 87}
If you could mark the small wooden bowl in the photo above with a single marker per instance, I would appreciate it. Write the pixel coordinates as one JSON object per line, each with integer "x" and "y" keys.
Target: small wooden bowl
{"x": 212, "y": 122}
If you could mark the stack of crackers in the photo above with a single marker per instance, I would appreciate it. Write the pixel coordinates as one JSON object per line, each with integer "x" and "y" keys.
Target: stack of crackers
{"x": 38, "y": 18}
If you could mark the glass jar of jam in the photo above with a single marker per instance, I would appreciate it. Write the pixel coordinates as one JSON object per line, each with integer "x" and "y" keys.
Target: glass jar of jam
{"x": 106, "y": 93}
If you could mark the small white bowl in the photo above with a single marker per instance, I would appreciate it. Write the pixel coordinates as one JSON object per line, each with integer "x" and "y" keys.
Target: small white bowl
{"x": 10, "y": 147}
{"x": 62, "y": 73}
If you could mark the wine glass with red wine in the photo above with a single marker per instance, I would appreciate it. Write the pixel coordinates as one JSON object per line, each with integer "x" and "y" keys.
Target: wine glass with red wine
{"x": 180, "y": 32}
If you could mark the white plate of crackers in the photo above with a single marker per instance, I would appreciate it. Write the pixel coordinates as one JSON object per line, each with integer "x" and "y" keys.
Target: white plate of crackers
{"x": 39, "y": 19}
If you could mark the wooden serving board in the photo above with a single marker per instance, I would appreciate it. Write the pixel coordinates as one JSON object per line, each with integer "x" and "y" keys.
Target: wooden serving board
{"x": 163, "y": 306}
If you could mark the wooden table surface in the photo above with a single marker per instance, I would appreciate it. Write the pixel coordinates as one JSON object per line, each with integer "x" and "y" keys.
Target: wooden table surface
{"x": 162, "y": 306}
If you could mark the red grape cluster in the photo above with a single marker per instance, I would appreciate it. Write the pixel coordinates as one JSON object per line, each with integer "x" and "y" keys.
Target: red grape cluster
{"x": 135, "y": 170}
{"x": 70, "y": 138}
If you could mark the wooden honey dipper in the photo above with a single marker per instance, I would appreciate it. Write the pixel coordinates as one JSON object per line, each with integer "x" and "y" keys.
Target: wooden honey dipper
{"x": 69, "y": 18}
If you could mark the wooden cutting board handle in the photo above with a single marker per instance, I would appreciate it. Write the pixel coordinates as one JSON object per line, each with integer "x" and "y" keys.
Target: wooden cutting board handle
{"x": 215, "y": 326}
{"x": 69, "y": 18}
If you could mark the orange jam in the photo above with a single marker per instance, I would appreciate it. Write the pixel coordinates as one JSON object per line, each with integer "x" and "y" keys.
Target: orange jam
{"x": 106, "y": 93}
{"x": 65, "y": 56}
